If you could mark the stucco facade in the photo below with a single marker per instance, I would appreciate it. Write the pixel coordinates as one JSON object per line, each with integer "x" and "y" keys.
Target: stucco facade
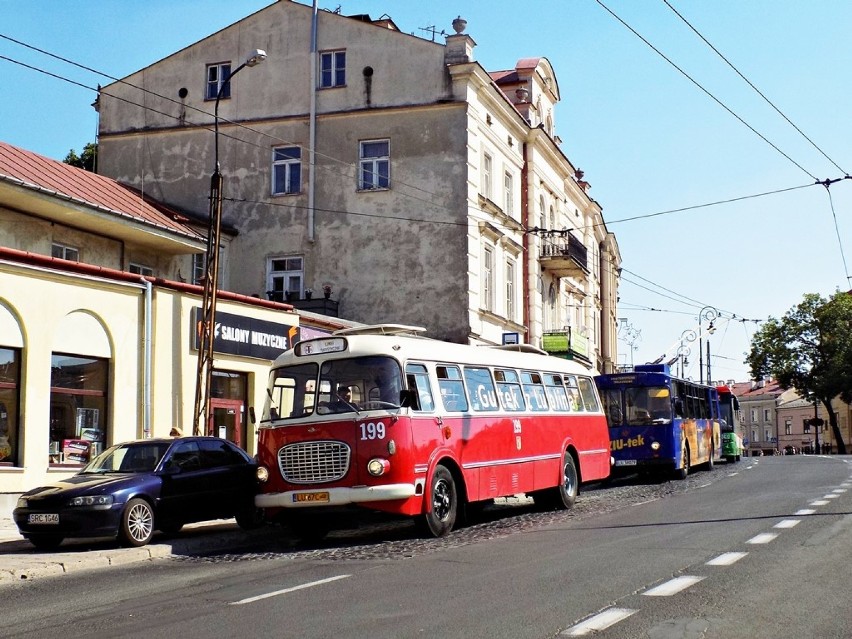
{"x": 466, "y": 231}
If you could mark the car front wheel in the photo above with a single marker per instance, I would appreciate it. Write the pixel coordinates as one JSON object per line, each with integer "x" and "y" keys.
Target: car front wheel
{"x": 137, "y": 523}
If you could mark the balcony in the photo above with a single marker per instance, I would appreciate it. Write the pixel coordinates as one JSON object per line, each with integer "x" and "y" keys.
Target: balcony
{"x": 564, "y": 257}
{"x": 321, "y": 306}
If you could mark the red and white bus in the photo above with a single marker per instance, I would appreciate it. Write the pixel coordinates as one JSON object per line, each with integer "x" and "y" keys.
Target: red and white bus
{"x": 427, "y": 427}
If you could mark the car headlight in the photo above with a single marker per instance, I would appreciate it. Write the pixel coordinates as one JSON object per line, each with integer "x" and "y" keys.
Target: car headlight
{"x": 378, "y": 466}
{"x": 262, "y": 474}
{"x": 22, "y": 502}
{"x": 92, "y": 500}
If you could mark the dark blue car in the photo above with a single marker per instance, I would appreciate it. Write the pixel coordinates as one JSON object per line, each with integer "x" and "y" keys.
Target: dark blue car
{"x": 135, "y": 488}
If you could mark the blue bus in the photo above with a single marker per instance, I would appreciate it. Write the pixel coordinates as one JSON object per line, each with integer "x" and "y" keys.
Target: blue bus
{"x": 659, "y": 423}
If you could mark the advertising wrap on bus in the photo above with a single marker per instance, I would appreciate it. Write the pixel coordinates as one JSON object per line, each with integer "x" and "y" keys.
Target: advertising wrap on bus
{"x": 380, "y": 418}
{"x": 658, "y": 423}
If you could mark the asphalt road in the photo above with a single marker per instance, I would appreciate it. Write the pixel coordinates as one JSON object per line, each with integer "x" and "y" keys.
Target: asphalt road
{"x": 756, "y": 549}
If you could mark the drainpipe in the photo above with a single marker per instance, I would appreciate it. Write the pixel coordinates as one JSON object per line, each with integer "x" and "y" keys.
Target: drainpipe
{"x": 148, "y": 352}
{"x": 312, "y": 133}
{"x": 525, "y": 219}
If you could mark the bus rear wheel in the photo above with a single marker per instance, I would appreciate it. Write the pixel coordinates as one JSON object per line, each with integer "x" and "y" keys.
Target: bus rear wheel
{"x": 683, "y": 471}
{"x": 439, "y": 520}
{"x": 563, "y": 496}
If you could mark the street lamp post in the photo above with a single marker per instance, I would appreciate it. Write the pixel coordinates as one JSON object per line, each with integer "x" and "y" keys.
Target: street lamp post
{"x": 710, "y": 314}
{"x": 206, "y": 321}
{"x": 684, "y": 351}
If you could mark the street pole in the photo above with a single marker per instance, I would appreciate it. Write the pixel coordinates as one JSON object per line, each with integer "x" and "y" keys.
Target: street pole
{"x": 206, "y": 320}
{"x": 707, "y": 313}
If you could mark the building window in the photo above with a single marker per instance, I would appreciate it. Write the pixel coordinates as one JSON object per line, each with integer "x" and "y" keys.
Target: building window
{"x": 510, "y": 289}
{"x": 788, "y": 427}
{"x": 199, "y": 264}
{"x": 284, "y": 275}
{"x": 806, "y": 425}
{"x": 754, "y": 436}
{"x": 332, "y": 69}
{"x": 286, "y": 170}
{"x": 766, "y": 413}
{"x": 508, "y": 186}
{"x": 65, "y": 252}
{"x": 78, "y": 400}
{"x": 767, "y": 435}
{"x": 487, "y": 169}
{"x": 753, "y": 415}
{"x": 10, "y": 375}
{"x": 217, "y": 78}
{"x": 375, "y": 165}
{"x": 488, "y": 278}
{"x": 140, "y": 269}
{"x": 541, "y": 213}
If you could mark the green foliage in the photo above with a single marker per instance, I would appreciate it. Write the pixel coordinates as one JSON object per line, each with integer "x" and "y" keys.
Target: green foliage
{"x": 87, "y": 160}
{"x": 809, "y": 349}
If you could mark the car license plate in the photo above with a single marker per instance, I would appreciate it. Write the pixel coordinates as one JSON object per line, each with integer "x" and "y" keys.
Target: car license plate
{"x": 318, "y": 498}
{"x": 625, "y": 462}
{"x": 43, "y": 518}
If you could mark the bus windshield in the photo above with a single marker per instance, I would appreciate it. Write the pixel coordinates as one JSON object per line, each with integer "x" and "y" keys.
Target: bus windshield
{"x": 637, "y": 405}
{"x": 336, "y": 386}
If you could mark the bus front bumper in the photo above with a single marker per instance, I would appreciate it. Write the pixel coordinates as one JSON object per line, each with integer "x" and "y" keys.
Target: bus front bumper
{"x": 336, "y": 496}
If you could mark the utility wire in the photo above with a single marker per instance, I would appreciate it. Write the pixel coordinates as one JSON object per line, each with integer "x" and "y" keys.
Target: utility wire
{"x": 758, "y": 91}
{"x": 837, "y": 230}
{"x": 710, "y": 95}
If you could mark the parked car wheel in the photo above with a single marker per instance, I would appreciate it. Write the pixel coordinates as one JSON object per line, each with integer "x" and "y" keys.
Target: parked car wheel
{"x": 137, "y": 523}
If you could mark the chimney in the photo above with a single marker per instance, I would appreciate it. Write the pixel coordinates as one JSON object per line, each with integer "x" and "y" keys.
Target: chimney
{"x": 459, "y": 45}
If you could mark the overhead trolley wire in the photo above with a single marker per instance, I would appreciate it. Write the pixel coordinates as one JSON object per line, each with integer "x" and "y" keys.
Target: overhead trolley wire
{"x": 710, "y": 95}
{"x": 758, "y": 91}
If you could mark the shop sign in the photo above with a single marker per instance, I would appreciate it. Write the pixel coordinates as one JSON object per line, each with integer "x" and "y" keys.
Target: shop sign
{"x": 246, "y": 336}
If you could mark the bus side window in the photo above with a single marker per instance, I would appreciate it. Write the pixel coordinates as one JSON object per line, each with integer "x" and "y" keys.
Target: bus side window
{"x": 509, "y": 389}
{"x": 451, "y": 387}
{"x": 556, "y": 394}
{"x": 418, "y": 381}
{"x": 575, "y": 401}
{"x": 587, "y": 391}
{"x": 481, "y": 388}
{"x": 534, "y": 391}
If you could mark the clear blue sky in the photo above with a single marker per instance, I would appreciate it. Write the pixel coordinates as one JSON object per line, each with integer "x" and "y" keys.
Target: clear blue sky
{"x": 648, "y": 139}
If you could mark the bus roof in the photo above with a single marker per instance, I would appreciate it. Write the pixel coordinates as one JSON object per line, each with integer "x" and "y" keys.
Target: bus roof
{"x": 405, "y": 345}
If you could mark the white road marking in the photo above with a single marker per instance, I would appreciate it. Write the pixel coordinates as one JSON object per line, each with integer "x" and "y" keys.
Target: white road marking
{"x": 831, "y": 496}
{"x": 839, "y": 491}
{"x": 286, "y": 590}
{"x": 762, "y": 538}
{"x": 804, "y": 511}
{"x": 600, "y": 621}
{"x": 673, "y": 586}
{"x": 732, "y": 474}
{"x": 726, "y": 559}
{"x": 787, "y": 523}
{"x": 818, "y": 502}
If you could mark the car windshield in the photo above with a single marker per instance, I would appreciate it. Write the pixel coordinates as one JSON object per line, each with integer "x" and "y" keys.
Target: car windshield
{"x": 137, "y": 457}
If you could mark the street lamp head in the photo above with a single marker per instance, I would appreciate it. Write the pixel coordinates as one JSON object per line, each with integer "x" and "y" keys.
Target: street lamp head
{"x": 256, "y": 58}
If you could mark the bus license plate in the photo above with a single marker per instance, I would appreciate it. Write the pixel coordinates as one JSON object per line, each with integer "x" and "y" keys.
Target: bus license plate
{"x": 43, "y": 518}
{"x": 625, "y": 462}
{"x": 316, "y": 498}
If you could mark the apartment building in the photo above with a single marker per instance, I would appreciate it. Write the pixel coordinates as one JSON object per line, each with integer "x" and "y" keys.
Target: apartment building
{"x": 759, "y": 401}
{"x": 393, "y": 171}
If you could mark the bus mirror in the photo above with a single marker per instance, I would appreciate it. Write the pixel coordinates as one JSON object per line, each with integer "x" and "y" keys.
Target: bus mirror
{"x": 407, "y": 398}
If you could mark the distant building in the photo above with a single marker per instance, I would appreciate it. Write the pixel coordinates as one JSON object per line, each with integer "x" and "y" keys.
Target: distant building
{"x": 419, "y": 187}
{"x": 759, "y": 401}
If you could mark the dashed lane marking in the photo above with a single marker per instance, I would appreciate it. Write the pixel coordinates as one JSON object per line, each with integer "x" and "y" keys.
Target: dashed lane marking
{"x": 732, "y": 474}
{"x": 762, "y": 538}
{"x": 804, "y": 511}
{"x": 284, "y": 591}
{"x": 673, "y": 586}
{"x": 600, "y": 621}
{"x": 831, "y": 496}
{"x": 726, "y": 559}
{"x": 839, "y": 491}
{"x": 787, "y": 523}
{"x": 819, "y": 502}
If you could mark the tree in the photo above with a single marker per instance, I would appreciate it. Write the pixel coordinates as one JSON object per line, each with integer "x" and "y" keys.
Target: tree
{"x": 87, "y": 160}
{"x": 810, "y": 349}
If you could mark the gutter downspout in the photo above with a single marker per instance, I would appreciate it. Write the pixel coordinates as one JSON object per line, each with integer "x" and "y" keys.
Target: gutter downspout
{"x": 147, "y": 357}
{"x": 312, "y": 132}
{"x": 525, "y": 218}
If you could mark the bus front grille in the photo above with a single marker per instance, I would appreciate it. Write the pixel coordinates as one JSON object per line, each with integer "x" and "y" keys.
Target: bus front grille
{"x": 314, "y": 462}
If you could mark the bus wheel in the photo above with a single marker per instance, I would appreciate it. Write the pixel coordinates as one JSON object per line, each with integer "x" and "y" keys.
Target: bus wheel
{"x": 563, "y": 496}
{"x": 683, "y": 471}
{"x": 443, "y": 504}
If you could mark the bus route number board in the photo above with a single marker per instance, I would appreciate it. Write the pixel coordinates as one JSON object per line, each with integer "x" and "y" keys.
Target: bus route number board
{"x": 313, "y": 498}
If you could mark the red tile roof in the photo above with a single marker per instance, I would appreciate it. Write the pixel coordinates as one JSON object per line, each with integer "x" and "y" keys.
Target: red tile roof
{"x": 37, "y": 172}
{"x": 744, "y": 390}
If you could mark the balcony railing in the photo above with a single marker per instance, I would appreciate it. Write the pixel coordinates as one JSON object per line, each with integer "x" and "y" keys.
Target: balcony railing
{"x": 321, "y": 306}
{"x": 564, "y": 257}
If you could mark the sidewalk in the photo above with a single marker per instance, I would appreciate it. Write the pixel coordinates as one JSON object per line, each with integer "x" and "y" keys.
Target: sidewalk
{"x": 20, "y": 561}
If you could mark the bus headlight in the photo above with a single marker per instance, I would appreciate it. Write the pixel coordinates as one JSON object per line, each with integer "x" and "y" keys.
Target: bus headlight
{"x": 378, "y": 466}
{"x": 655, "y": 445}
{"x": 262, "y": 474}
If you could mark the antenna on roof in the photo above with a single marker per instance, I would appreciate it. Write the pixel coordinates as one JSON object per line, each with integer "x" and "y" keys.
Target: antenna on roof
{"x": 431, "y": 29}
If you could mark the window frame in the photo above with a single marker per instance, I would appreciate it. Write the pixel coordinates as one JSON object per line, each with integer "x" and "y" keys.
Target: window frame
{"x": 373, "y": 165}
{"x": 487, "y": 174}
{"x": 66, "y": 252}
{"x": 284, "y": 275}
{"x": 212, "y": 87}
{"x": 488, "y": 277}
{"x": 336, "y": 72}
{"x": 289, "y": 165}
{"x": 140, "y": 269}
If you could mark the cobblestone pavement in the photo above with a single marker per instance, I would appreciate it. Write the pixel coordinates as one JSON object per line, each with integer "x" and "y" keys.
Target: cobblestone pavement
{"x": 399, "y": 539}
